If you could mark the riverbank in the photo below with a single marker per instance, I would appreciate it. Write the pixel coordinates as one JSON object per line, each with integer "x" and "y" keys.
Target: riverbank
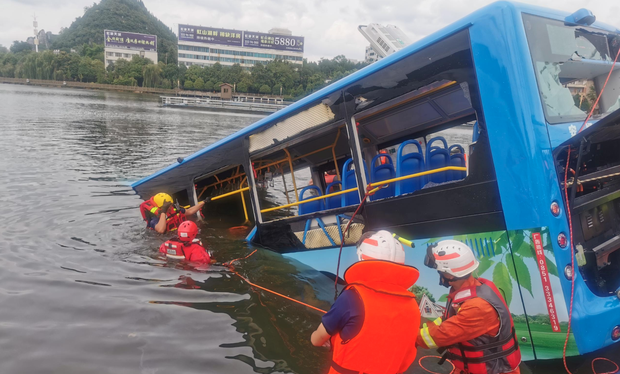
{"x": 121, "y": 88}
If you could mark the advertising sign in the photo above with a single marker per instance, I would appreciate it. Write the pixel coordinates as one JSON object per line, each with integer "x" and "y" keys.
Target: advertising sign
{"x": 272, "y": 41}
{"x": 544, "y": 276}
{"x": 131, "y": 40}
{"x": 210, "y": 35}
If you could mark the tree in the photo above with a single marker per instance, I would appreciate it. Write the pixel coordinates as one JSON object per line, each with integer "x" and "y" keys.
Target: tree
{"x": 18, "y": 47}
{"x": 418, "y": 291}
{"x": 208, "y": 86}
{"x": 242, "y": 87}
{"x": 188, "y": 85}
{"x": 264, "y": 89}
{"x": 3, "y": 49}
{"x": 199, "y": 84}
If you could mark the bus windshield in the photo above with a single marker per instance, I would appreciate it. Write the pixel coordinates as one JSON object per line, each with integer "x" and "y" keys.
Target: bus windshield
{"x": 572, "y": 64}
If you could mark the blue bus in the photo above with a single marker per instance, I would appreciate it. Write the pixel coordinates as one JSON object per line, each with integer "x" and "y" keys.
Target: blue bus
{"x": 472, "y": 133}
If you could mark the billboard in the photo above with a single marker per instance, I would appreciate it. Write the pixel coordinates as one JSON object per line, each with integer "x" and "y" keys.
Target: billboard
{"x": 130, "y": 40}
{"x": 273, "y": 41}
{"x": 210, "y": 35}
{"x": 241, "y": 38}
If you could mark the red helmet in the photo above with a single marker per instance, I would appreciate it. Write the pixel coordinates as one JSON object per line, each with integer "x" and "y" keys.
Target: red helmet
{"x": 187, "y": 231}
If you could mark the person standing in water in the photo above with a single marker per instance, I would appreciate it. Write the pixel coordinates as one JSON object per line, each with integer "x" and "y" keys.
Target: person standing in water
{"x": 186, "y": 246}
{"x": 373, "y": 325}
{"x": 162, "y": 215}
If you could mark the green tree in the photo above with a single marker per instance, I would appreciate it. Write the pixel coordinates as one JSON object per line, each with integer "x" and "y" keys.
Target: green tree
{"x": 242, "y": 87}
{"x": 208, "y": 86}
{"x": 18, "y": 47}
{"x": 199, "y": 84}
{"x": 188, "y": 85}
{"x": 264, "y": 89}
{"x": 418, "y": 291}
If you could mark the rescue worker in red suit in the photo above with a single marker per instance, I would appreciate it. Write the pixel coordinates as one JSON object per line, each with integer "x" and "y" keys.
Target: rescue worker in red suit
{"x": 162, "y": 215}
{"x": 186, "y": 246}
{"x": 373, "y": 325}
{"x": 476, "y": 330}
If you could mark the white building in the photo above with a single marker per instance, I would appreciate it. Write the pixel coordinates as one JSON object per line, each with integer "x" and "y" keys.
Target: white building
{"x": 205, "y": 46}
{"x": 124, "y": 45}
{"x": 384, "y": 40}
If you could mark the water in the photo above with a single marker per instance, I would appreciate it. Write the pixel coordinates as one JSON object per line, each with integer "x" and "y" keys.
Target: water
{"x": 82, "y": 289}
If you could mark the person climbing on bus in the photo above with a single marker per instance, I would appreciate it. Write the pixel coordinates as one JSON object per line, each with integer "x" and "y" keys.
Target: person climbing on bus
{"x": 373, "y": 325}
{"x": 161, "y": 213}
{"x": 186, "y": 246}
{"x": 476, "y": 329}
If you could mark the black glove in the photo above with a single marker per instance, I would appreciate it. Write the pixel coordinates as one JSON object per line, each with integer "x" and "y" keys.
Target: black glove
{"x": 164, "y": 208}
{"x": 206, "y": 200}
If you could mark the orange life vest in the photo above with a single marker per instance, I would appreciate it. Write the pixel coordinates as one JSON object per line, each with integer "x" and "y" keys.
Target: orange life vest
{"x": 386, "y": 342}
{"x": 486, "y": 354}
{"x": 149, "y": 209}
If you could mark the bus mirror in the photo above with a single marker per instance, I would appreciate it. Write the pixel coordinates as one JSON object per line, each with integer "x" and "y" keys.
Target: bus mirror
{"x": 581, "y": 17}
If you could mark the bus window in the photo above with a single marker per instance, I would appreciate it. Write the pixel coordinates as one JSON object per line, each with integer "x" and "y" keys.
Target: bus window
{"x": 571, "y": 65}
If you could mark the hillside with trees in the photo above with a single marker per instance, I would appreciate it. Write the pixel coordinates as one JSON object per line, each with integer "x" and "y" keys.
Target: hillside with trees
{"x": 79, "y": 56}
{"x": 122, "y": 15}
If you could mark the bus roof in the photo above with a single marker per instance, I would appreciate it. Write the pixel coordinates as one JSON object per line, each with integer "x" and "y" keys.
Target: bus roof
{"x": 179, "y": 176}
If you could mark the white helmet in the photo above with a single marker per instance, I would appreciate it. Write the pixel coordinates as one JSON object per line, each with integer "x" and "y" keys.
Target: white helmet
{"x": 451, "y": 257}
{"x": 381, "y": 246}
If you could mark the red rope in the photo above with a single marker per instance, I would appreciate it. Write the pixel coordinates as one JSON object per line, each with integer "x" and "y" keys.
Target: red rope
{"x": 608, "y": 360}
{"x": 434, "y": 372}
{"x": 370, "y": 191}
{"x": 602, "y": 90}
{"x": 229, "y": 266}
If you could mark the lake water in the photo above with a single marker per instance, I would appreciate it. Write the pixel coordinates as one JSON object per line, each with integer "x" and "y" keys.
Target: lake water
{"x": 82, "y": 289}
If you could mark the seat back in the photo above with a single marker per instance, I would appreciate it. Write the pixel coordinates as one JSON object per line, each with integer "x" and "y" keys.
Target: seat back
{"x": 437, "y": 157}
{"x": 382, "y": 172}
{"x": 408, "y": 164}
{"x": 313, "y": 206}
{"x": 334, "y": 201}
{"x": 457, "y": 159}
{"x": 350, "y": 181}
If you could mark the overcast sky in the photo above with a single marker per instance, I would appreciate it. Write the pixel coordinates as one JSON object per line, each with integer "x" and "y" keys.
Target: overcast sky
{"x": 329, "y": 26}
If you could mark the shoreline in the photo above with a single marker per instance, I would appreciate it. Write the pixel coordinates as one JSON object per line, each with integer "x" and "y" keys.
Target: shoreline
{"x": 113, "y": 87}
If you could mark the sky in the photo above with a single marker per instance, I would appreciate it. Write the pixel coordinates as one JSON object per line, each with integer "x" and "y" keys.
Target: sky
{"x": 329, "y": 26}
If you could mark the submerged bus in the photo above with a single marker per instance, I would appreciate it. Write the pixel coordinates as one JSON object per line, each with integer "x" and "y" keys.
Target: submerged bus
{"x": 467, "y": 132}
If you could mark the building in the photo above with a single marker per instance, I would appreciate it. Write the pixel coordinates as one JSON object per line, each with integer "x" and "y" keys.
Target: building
{"x": 370, "y": 56}
{"x": 124, "y": 45}
{"x": 384, "y": 40}
{"x": 205, "y": 46}
{"x": 429, "y": 309}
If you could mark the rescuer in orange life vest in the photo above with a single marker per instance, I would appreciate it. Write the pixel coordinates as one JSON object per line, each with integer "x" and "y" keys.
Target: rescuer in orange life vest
{"x": 186, "y": 246}
{"x": 162, "y": 215}
{"x": 373, "y": 325}
{"x": 476, "y": 329}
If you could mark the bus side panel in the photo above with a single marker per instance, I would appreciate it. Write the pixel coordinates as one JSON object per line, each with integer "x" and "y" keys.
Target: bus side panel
{"x": 533, "y": 266}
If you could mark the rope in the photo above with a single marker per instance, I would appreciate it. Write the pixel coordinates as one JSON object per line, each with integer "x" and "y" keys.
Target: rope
{"x": 370, "y": 191}
{"x": 439, "y": 357}
{"x": 601, "y": 93}
{"x": 572, "y": 288}
{"x": 230, "y": 267}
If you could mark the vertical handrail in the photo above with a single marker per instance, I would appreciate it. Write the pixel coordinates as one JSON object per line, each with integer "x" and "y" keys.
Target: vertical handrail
{"x": 290, "y": 165}
{"x": 334, "y": 153}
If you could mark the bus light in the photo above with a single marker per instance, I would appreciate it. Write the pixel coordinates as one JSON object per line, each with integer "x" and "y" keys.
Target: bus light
{"x": 562, "y": 241}
{"x": 555, "y": 208}
{"x": 568, "y": 272}
{"x": 615, "y": 333}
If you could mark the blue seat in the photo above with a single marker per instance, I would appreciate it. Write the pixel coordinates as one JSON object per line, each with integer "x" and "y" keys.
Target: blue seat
{"x": 457, "y": 159}
{"x": 350, "y": 181}
{"x": 334, "y": 201}
{"x": 380, "y": 173}
{"x": 408, "y": 164}
{"x": 313, "y": 206}
{"x": 437, "y": 157}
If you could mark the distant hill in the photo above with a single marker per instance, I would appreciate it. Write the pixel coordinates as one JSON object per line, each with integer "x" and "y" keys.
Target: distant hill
{"x": 122, "y": 15}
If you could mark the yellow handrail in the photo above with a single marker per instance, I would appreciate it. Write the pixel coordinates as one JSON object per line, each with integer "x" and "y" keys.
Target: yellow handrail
{"x": 230, "y": 193}
{"x": 309, "y": 200}
{"x": 376, "y": 184}
{"x": 447, "y": 168}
